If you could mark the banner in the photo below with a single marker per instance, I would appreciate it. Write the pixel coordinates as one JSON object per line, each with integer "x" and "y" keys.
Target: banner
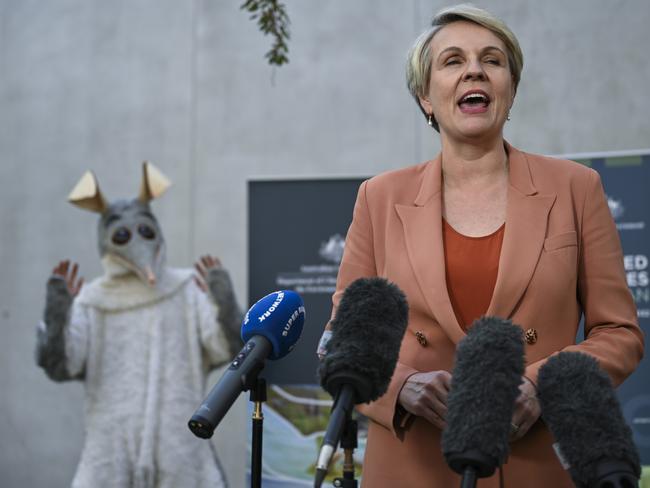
{"x": 297, "y": 233}
{"x": 626, "y": 178}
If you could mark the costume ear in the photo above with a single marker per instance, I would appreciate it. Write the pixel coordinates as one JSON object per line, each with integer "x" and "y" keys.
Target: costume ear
{"x": 87, "y": 195}
{"x": 154, "y": 183}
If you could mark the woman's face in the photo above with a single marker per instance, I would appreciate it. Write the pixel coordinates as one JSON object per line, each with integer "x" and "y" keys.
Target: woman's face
{"x": 471, "y": 88}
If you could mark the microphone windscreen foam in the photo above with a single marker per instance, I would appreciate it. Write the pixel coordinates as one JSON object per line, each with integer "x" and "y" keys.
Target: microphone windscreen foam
{"x": 367, "y": 333}
{"x": 485, "y": 384}
{"x": 580, "y": 408}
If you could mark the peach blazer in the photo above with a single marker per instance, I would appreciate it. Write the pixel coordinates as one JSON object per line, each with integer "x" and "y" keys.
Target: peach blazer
{"x": 561, "y": 257}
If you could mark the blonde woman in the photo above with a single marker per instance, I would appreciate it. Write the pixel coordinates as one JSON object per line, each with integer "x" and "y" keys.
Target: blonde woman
{"x": 483, "y": 228}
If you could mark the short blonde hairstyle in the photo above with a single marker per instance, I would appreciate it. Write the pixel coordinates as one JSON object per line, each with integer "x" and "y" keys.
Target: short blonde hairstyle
{"x": 418, "y": 66}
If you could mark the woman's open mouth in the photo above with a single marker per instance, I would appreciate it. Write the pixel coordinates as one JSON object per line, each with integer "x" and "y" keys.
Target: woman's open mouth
{"x": 474, "y": 102}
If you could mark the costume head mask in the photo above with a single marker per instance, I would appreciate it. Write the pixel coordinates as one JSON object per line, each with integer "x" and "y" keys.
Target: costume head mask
{"x": 129, "y": 237}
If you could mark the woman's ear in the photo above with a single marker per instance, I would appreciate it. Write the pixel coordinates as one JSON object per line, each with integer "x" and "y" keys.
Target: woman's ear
{"x": 425, "y": 104}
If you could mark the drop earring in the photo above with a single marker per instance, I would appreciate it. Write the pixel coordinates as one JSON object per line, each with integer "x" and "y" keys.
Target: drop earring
{"x": 430, "y": 120}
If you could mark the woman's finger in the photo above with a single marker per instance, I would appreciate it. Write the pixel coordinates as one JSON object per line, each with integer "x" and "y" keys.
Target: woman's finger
{"x": 527, "y": 411}
{"x": 519, "y": 430}
{"x": 432, "y": 417}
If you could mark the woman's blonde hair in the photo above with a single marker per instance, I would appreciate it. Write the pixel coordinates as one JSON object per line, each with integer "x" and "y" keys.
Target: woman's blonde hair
{"x": 418, "y": 66}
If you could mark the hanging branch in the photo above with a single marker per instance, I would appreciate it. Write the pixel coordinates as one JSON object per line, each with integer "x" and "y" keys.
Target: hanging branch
{"x": 272, "y": 19}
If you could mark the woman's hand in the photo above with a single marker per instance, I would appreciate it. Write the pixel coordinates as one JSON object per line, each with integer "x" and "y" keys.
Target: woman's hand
{"x": 425, "y": 395}
{"x": 527, "y": 410}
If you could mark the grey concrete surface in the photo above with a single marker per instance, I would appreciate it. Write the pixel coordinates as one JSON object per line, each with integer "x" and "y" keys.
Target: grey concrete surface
{"x": 104, "y": 85}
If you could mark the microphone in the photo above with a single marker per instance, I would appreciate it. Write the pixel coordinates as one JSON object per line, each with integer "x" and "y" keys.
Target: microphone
{"x": 271, "y": 328}
{"x": 361, "y": 354}
{"x": 581, "y": 410}
{"x": 484, "y": 386}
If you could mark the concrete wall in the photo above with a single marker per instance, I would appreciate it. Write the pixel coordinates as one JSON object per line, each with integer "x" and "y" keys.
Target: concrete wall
{"x": 104, "y": 85}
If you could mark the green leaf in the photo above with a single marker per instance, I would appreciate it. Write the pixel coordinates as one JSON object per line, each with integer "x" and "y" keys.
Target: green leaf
{"x": 272, "y": 19}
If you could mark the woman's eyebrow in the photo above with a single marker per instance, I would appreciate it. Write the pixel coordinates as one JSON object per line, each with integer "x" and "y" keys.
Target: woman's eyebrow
{"x": 493, "y": 48}
{"x": 458, "y": 49}
{"x": 447, "y": 49}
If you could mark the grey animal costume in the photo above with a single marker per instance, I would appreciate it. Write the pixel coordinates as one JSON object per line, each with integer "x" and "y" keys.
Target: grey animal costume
{"x": 142, "y": 338}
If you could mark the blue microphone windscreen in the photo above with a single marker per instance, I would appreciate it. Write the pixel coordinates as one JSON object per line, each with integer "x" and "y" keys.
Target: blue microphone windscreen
{"x": 279, "y": 317}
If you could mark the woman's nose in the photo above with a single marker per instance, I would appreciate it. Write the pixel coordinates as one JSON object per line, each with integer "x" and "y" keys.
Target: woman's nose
{"x": 474, "y": 71}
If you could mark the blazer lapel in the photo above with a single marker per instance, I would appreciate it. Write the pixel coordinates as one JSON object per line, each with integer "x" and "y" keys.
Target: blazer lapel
{"x": 422, "y": 226}
{"x": 526, "y": 221}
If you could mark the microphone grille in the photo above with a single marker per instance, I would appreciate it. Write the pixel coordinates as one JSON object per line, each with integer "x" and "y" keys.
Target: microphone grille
{"x": 485, "y": 384}
{"x": 580, "y": 407}
{"x": 367, "y": 332}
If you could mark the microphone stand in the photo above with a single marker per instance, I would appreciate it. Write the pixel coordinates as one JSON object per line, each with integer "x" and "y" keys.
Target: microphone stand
{"x": 348, "y": 443}
{"x": 469, "y": 478}
{"x": 257, "y": 396}
{"x": 471, "y": 465}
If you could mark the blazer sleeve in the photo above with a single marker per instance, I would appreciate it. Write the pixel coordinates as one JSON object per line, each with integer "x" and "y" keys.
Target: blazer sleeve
{"x": 612, "y": 332}
{"x": 359, "y": 262}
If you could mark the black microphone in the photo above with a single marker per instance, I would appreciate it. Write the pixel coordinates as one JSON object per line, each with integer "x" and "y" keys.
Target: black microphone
{"x": 581, "y": 410}
{"x": 361, "y": 354}
{"x": 271, "y": 328}
{"x": 484, "y": 386}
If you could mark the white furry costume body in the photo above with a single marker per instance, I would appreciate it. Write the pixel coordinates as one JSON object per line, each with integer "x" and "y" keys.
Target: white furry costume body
{"x": 144, "y": 353}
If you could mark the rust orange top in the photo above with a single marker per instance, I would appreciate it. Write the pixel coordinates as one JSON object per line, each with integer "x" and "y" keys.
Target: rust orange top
{"x": 471, "y": 266}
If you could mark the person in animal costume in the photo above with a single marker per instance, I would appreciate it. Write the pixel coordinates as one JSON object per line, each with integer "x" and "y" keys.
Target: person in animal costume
{"x": 142, "y": 338}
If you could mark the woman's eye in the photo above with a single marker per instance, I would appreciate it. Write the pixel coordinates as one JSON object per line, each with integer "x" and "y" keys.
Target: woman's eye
{"x": 451, "y": 61}
{"x": 121, "y": 236}
{"x": 146, "y": 231}
{"x": 493, "y": 61}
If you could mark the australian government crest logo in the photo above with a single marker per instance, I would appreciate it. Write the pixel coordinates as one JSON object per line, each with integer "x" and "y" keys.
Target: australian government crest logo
{"x": 317, "y": 277}
{"x": 617, "y": 209}
{"x": 332, "y": 249}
